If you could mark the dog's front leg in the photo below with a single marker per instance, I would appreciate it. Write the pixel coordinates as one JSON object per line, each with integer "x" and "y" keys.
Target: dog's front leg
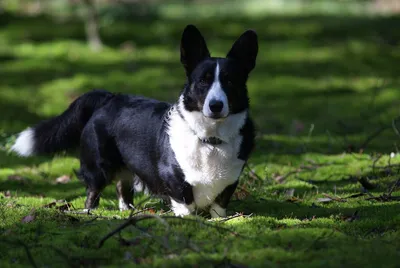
{"x": 216, "y": 211}
{"x": 182, "y": 209}
{"x": 182, "y": 201}
{"x": 218, "y": 208}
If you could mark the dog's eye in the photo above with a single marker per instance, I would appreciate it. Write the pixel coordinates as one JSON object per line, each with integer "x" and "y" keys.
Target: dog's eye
{"x": 203, "y": 81}
{"x": 206, "y": 79}
{"x": 229, "y": 82}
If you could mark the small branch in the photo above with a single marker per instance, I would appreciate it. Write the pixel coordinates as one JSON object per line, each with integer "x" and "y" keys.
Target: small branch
{"x": 397, "y": 183}
{"x": 384, "y": 198}
{"x": 396, "y": 130}
{"x": 252, "y": 173}
{"x": 135, "y": 219}
{"x": 132, "y": 221}
{"x": 78, "y": 212}
{"x": 375, "y": 161}
{"x": 237, "y": 215}
{"x": 92, "y": 220}
{"x": 133, "y": 213}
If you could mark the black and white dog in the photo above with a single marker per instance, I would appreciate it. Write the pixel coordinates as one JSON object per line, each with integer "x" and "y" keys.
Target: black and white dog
{"x": 191, "y": 152}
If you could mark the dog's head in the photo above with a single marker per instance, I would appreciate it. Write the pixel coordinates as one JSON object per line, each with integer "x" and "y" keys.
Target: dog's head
{"x": 216, "y": 87}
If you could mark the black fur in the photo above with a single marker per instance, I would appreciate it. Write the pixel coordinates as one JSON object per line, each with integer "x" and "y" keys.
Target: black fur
{"x": 116, "y": 132}
{"x": 234, "y": 70}
{"x": 63, "y": 132}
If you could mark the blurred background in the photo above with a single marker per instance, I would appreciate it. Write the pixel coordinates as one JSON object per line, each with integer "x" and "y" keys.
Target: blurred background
{"x": 327, "y": 74}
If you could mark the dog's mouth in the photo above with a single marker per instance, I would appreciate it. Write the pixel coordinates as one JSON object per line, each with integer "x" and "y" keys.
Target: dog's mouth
{"x": 216, "y": 116}
{"x": 212, "y": 140}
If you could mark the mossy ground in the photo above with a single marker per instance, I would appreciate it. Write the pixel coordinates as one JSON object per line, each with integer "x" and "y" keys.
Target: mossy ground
{"x": 323, "y": 84}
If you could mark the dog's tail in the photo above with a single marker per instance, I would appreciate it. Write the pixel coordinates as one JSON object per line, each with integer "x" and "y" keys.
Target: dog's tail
{"x": 62, "y": 132}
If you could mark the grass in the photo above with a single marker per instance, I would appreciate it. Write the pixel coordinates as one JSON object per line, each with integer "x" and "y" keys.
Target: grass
{"x": 323, "y": 85}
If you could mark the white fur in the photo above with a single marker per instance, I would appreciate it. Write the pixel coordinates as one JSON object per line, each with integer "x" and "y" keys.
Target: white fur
{"x": 124, "y": 176}
{"x": 217, "y": 211}
{"x": 181, "y": 209}
{"x": 122, "y": 205}
{"x": 205, "y": 127}
{"x": 139, "y": 186}
{"x": 216, "y": 93}
{"x": 208, "y": 168}
{"x": 24, "y": 145}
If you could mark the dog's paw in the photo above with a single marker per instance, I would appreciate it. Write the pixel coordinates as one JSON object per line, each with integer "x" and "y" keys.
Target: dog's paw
{"x": 216, "y": 211}
{"x": 124, "y": 206}
{"x": 181, "y": 209}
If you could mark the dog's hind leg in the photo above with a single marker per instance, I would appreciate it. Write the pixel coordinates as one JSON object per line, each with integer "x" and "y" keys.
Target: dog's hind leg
{"x": 95, "y": 181}
{"x": 99, "y": 162}
{"x": 125, "y": 189}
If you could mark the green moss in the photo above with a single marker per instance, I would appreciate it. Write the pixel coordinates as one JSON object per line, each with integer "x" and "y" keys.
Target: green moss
{"x": 322, "y": 86}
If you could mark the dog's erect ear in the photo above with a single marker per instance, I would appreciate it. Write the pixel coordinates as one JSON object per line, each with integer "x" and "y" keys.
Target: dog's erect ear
{"x": 245, "y": 50}
{"x": 193, "y": 48}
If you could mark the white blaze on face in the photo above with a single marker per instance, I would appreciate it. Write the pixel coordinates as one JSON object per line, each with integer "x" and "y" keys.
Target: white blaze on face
{"x": 216, "y": 93}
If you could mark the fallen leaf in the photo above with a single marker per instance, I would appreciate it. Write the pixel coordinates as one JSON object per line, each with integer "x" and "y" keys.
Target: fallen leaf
{"x": 253, "y": 175}
{"x": 324, "y": 200}
{"x": 290, "y": 192}
{"x": 279, "y": 178}
{"x": 66, "y": 206}
{"x": 352, "y": 217}
{"x": 309, "y": 219}
{"x": 293, "y": 199}
{"x": 334, "y": 198}
{"x": 63, "y": 179}
{"x": 29, "y": 218}
{"x": 128, "y": 46}
{"x": 7, "y": 194}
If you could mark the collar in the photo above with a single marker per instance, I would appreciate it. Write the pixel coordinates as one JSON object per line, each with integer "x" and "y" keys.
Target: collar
{"x": 212, "y": 141}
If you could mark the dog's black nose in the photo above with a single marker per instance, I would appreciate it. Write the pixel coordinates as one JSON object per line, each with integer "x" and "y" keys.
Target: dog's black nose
{"x": 216, "y": 106}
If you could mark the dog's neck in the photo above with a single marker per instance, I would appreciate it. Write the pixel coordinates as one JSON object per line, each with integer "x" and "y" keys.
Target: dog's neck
{"x": 208, "y": 130}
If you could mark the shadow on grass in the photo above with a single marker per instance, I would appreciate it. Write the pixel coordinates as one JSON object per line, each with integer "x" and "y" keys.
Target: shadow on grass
{"x": 337, "y": 74}
{"x": 319, "y": 71}
{"x": 298, "y": 239}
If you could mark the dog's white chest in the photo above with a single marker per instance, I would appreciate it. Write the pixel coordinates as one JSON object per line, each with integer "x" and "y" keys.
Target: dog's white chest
{"x": 208, "y": 168}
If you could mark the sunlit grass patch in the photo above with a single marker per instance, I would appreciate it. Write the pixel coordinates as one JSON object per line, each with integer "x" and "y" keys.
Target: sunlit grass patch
{"x": 319, "y": 190}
